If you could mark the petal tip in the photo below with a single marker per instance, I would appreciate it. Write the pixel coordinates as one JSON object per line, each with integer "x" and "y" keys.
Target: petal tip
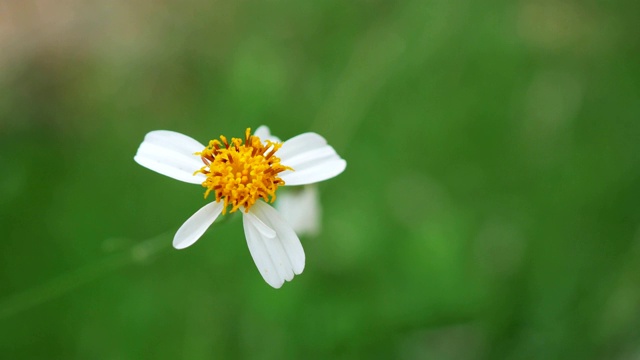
{"x": 179, "y": 245}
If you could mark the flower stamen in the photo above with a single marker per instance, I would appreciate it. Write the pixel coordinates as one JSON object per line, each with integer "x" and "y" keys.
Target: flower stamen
{"x": 240, "y": 174}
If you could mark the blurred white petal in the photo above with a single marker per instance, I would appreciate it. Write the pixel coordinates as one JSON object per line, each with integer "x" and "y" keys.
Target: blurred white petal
{"x": 196, "y": 225}
{"x": 301, "y": 208}
{"x": 277, "y": 258}
{"x": 171, "y": 154}
{"x": 264, "y": 134}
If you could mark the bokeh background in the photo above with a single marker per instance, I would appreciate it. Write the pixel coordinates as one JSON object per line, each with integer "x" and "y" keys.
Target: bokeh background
{"x": 489, "y": 209}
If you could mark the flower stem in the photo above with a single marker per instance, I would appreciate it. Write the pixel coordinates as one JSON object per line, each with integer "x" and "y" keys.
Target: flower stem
{"x": 58, "y": 286}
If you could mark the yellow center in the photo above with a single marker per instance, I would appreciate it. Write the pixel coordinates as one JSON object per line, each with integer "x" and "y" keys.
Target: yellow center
{"x": 240, "y": 174}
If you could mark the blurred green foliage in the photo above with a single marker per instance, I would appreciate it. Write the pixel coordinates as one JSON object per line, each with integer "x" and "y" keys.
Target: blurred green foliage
{"x": 489, "y": 209}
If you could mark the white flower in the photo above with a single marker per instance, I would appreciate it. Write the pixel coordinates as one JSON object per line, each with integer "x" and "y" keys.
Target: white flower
{"x": 243, "y": 174}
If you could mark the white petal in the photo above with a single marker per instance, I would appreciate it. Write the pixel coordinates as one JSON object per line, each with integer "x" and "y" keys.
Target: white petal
{"x": 174, "y": 140}
{"x": 285, "y": 234}
{"x": 270, "y": 260}
{"x": 196, "y": 225}
{"x": 300, "y": 144}
{"x": 171, "y": 154}
{"x": 301, "y": 209}
{"x": 264, "y": 134}
{"x": 277, "y": 258}
{"x": 314, "y": 172}
{"x": 259, "y": 225}
{"x": 261, "y": 257}
{"x": 311, "y": 159}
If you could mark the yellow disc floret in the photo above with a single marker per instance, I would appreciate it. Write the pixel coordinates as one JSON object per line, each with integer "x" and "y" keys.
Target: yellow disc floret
{"x": 240, "y": 174}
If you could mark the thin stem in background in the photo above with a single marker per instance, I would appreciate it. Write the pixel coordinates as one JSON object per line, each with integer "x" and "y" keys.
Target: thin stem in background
{"x": 56, "y": 287}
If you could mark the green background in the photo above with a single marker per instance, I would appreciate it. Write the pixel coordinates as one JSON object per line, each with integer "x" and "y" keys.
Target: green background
{"x": 489, "y": 209}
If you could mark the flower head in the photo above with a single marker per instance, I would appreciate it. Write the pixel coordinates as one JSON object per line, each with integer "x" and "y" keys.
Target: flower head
{"x": 245, "y": 174}
{"x": 240, "y": 174}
